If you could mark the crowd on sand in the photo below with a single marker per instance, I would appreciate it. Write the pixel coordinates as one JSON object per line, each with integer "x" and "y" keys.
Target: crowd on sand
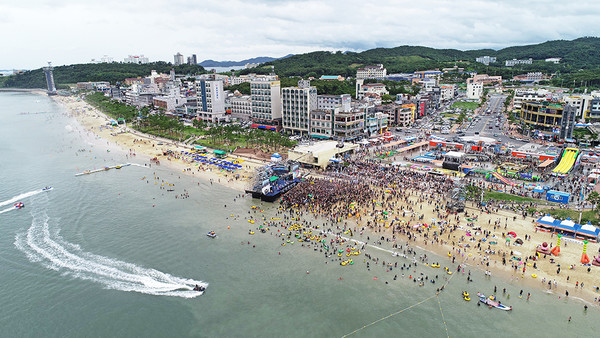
{"x": 366, "y": 207}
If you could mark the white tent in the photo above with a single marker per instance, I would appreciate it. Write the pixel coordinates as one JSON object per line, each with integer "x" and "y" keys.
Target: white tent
{"x": 276, "y": 157}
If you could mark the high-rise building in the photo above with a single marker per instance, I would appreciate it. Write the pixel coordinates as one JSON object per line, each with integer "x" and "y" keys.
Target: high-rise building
{"x": 192, "y": 60}
{"x": 213, "y": 98}
{"x": 50, "y": 79}
{"x": 266, "y": 100}
{"x": 297, "y": 103}
{"x": 139, "y": 59}
{"x": 178, "y": 59}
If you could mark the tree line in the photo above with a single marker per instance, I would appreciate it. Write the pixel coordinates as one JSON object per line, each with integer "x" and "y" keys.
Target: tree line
{"x": 112, "y": 72}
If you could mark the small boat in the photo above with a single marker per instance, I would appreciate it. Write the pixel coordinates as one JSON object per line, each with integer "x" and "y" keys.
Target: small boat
{"x": 19, "y": 205}
{"x": 47, "y": 189}
{"x": 199, "y": 288}
{"x": 491, "y": 302}
{"x": 211, "y": 234}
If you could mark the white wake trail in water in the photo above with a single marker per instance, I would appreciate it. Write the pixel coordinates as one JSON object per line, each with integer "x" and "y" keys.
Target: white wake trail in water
{"x": 40, "y": 244}
{"x": 20, "y": 197}
{"x": 7, "y": 210}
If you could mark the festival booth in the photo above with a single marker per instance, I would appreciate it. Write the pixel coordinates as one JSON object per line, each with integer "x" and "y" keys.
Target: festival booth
{"x": 568, "y": 228}
{"x": 546, "y": 223}
{"x": 276, "y": 158}
{"x": 442, "y": 144}
{"x": 419, "y": 146}
{"x": 590, "y": 158}
{"x": 558, "y": 196}
{"x": 220, "y": 153}
{"x": 587, "y": 232}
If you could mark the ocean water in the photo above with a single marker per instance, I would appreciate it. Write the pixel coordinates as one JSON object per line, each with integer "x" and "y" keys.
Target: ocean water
{"x": 112, "y": 254}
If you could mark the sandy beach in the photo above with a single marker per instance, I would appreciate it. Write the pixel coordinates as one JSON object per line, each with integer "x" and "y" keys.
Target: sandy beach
{"x": 146, "y": 147}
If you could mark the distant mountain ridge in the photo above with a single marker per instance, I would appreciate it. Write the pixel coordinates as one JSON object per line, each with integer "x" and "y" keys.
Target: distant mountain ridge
{"x": 260, "y": 59}
{"x": 580, "y": 53}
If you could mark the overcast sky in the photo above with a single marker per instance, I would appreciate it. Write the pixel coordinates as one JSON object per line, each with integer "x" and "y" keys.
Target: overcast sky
{"x": 76, "y": 31}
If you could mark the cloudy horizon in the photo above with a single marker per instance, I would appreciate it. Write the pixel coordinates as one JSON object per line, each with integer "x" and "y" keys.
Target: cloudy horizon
{"x": 70, "y": 32}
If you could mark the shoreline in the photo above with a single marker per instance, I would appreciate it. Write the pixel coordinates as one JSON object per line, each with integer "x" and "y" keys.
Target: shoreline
{"x": 147, "y": 146}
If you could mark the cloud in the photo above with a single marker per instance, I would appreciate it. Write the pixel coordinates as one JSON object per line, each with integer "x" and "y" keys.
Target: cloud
{"x": 69, "y": 31}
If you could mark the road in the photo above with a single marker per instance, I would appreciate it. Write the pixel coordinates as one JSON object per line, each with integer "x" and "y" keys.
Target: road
{"x": 490, "y": 125}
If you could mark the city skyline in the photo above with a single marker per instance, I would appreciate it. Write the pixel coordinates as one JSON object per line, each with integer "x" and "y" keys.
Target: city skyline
{"x": 70, "y": 32}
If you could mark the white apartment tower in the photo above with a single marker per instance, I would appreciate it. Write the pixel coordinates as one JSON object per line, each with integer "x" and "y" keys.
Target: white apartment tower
{"x": 178, "y": 59}
{"x": 212, "y": 100}
{"x": 266, "y": 100}
{"x": 297, "y": 103}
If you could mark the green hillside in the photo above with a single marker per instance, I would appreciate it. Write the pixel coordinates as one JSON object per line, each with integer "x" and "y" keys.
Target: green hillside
{"x": 111, "y": 72}
{"x": 576, "y": 55}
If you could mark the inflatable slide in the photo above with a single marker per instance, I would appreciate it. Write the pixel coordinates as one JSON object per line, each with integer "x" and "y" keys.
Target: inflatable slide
{"x": 566, "y": 162}
{"x": 503, "y": 179}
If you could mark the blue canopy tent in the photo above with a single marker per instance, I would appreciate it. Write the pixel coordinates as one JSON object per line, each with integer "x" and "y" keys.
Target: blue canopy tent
{"x": 566, "y": 227}
{"x": 547, "y": 222}
{"x": 588, "y": 232}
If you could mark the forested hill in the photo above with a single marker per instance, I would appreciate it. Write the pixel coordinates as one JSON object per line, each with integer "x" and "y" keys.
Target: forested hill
{"x": 111, "y": 72}
{"x": 576, "y": 54}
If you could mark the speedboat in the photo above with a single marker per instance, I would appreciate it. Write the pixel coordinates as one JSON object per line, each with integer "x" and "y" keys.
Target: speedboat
{"x": 211, "y": 234}
{"x": 47, "y": 189}
{"x": 491, "y": 302}
{"x": 19, "y": 205}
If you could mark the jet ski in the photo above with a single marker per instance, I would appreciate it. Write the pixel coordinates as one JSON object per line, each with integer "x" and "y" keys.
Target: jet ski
{"x": 47, "y": 189}
{"x": 19, "y": 205}
{"x": 199, "y": 288}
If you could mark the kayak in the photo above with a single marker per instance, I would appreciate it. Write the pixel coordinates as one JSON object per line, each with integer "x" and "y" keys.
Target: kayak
{"x": 490, "y": 301}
